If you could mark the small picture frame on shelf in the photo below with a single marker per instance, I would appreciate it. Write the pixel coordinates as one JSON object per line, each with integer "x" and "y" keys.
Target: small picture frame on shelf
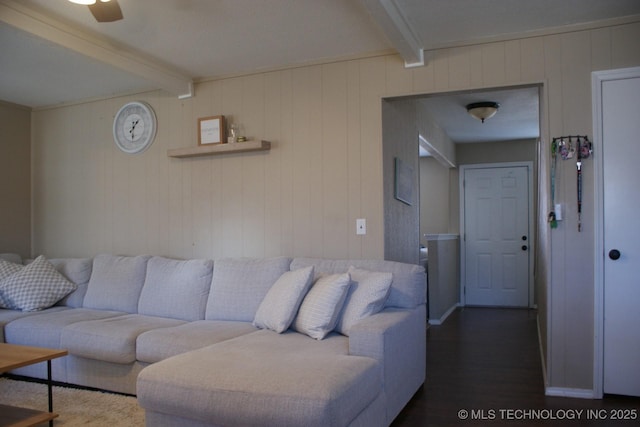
{"x": 211, "y": 130}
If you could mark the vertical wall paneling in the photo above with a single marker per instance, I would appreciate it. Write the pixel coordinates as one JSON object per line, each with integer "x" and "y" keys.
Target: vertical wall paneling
{"x": 441, "y": 69}
{"x": 399, "y": 79}
{"x": 600, "y": 49}
{"x": 202, "y": 180}
{"x": 285, "y": 147}
{"x": 334, "y": 157}
{"x": 253, "y": 169}
{"x": 304, "y": 134}
{"x": 576, "y": 57}
{"x": 532, "y": 58}
{"x": 513, "y": 61}
{"x": 275, "y": 206}
{"x": 460, "y": 67}
{"x": 624, "y": 45}
{"x": 354, "y": 160}
{"x": 493, "y": 64}
{"x": 424, "y": 77}
{"x": 372, "y": 83}
{"x": 15, "y": 179}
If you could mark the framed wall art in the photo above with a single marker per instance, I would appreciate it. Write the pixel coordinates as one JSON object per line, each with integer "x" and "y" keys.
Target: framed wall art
{"x": 211, "y": 130}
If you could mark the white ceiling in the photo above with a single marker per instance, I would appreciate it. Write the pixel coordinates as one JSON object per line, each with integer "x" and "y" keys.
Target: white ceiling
{"x": 517, "y": 118}
{"x": 54, "y": 52}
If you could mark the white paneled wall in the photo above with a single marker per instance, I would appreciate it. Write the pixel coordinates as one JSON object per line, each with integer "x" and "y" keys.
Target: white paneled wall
{"x": 324, "y": 170}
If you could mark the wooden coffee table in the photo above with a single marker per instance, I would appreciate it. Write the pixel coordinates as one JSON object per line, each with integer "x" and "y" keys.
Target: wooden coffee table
{"x": 17, "y": 356}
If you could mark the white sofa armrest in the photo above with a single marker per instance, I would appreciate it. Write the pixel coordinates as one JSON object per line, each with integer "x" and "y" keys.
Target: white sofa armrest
{"x": 397, "y": 339}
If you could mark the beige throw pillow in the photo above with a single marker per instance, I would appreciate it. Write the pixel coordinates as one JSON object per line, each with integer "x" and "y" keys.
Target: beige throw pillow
{"x": 279, "y": 306}
{"x": 368, "y": 293}
{"x": 319, "y": 310}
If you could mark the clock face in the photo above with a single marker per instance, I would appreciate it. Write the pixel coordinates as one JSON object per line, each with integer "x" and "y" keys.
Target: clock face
{"x": 134, "y": 127}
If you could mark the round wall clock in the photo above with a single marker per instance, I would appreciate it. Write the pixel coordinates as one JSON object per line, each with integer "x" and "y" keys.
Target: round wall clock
{"x": 134, "y": 127}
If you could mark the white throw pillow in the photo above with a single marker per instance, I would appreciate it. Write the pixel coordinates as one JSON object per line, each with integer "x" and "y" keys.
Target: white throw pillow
{"x": 368, "y": 292}
{"x": 7, "y": 269}
{"x": 279, "y": 306}
{"x": 319, "y": 310}
{"x": 36, "y": 286}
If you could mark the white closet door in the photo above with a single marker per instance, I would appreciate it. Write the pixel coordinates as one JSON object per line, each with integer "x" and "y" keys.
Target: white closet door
{"x": 621, "y": 190}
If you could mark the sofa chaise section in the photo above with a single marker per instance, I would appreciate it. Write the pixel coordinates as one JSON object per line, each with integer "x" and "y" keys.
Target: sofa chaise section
{"x": 262, "y": 379}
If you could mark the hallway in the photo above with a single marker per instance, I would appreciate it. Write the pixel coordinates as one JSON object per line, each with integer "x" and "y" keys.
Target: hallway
{"x": 484, "y": 369}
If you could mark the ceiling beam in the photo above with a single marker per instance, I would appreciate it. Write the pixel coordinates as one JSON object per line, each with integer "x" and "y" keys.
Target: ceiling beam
{"x": 45, "y": 27}
{"x": 389, "y": 16}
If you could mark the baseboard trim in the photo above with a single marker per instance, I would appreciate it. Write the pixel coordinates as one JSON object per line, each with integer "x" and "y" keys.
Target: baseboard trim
{"x": 441, "y": 320}
{"x": 579, "y": 393}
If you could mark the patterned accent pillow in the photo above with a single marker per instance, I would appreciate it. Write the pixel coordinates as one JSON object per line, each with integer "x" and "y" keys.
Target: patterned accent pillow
{"x": 7, "y": 269}
{"x": 36, "y": 286}
{"x": 280, "y": 305}
{"x": 368, "y": 292}
{"x": 319, "y": 310}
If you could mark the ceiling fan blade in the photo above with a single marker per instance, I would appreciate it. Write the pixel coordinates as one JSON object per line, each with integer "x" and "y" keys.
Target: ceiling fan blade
{"x": 106, "y": 12}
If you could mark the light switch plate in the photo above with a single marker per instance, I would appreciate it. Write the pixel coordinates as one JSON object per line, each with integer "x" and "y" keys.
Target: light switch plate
{"x": 361, "y": 226}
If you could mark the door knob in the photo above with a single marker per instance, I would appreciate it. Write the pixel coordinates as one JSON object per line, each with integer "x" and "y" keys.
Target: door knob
{"x": 614, "y": 254}
{"x": 524, "y": 247}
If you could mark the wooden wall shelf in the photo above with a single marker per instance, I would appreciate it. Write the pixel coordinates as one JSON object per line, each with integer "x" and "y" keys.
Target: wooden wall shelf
{"x": 216, "y": 149}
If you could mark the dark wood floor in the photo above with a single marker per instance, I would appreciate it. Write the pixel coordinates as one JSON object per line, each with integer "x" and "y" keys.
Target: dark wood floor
{"x": 484, "y": 369}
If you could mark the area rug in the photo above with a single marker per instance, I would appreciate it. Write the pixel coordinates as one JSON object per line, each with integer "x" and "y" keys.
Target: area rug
{"x": 75, "y": 407}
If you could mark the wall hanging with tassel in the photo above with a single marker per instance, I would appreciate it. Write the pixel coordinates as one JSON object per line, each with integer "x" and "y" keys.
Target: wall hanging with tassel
{"x": 564, "y": 147}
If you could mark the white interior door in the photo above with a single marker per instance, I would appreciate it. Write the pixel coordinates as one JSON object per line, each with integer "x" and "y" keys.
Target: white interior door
{"x": 496, "y": 236}
{"x": 621, "y": 194}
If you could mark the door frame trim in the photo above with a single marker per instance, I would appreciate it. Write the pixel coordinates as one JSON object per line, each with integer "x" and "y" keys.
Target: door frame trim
{"x": 597, "y": 79}
{"x": 532, "y": 241}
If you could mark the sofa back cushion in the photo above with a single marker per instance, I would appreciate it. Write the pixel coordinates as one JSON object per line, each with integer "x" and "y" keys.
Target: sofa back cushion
{"x": 408, "y": 286}
{"x": 176, "y": 289}
{"x": 78, "y": 271}
{"x": 116, "y": 283}
{"x": 14, "y": 258}
{"x": 240, "y": 284}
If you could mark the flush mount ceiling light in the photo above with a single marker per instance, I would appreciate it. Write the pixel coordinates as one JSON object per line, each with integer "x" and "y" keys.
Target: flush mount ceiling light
{"x": 88, "y": 2}
{"x": 483, "y": 110}
{"x": 103, "y": 10}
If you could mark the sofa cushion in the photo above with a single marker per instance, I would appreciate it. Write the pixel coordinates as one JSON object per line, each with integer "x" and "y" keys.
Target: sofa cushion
{"x": 14, "y": 258}
{"x": 38, "y": 285}
{"x": 409, "y": 286}
{"x": 321, "y": 306}
{"x": 44, "y": 329}
{"x": 7, "y": 316}
{"x": 294, "y": 381}
{"x": 111, "y": 339}
{"x": 240, "y": 284}
{"x": 78, "y": 271}
{"x": 159, "y": 344}
{"x": 116, "y": 283}
{"x": 176, "y": 289}
{"x": 366, "y": 296}
{"x": 280, "y": 305}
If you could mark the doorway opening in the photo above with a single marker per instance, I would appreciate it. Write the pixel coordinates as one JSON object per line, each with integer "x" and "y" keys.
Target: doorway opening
{"x": 453, "y": 139}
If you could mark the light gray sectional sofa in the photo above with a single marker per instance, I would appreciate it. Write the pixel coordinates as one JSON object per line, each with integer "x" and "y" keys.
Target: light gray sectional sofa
{"x": 238, "y": 341}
